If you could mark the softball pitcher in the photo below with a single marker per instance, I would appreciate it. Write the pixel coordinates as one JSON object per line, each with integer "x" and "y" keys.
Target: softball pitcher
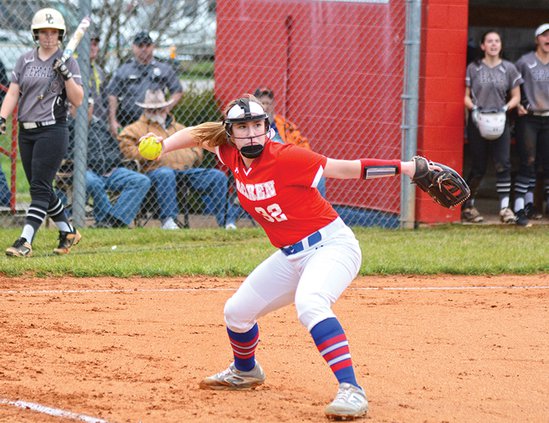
{"x": 318, "y": 256}
{"x": 43, "y": 86}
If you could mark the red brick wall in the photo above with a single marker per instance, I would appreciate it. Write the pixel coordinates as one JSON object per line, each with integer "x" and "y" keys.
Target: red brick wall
{"x": 442, "y": 82}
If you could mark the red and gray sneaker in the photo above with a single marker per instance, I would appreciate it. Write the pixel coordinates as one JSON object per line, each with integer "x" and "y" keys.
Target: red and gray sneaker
{"x": 20, "y": 248}
{"x": 350, "y": 403}
{"x": 234, "y": 379}
{"x": 66, "y": 241}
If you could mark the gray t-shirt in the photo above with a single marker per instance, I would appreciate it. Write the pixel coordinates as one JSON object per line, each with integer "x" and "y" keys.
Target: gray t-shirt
{"x": 133, "y": 79}
{"x": 490, "y": 86}
{"x": 33, "y": 76}
{"x": 536, "y": 82}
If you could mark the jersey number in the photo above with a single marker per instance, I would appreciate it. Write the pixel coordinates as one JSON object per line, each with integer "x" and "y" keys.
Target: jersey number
{"x": 272, "y": 214}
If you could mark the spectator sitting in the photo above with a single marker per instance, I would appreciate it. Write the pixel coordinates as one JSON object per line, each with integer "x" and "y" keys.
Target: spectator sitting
{"x": 5, "y": 194}
{"x": 105, "y": 170}
{"x": 4, "y": 80}
{"x": 211, "y": 183}
{"x": 283, "y": 130}
{"x": 130, "y": 82}
{"x": 106, "y": 173}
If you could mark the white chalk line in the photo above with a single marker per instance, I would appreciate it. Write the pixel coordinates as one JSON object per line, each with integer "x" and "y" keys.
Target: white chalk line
{"x": 369, "y": 288}
{"x": 56, "y": 412}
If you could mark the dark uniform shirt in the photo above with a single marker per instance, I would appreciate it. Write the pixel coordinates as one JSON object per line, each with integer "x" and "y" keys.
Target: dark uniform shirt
{"x": 33, "y": 75}
{"x": 535, "y": 89}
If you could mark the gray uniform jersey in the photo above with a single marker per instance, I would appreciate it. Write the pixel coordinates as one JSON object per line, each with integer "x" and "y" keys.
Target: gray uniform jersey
{"x": 490, "y": 86}
{"x": 33, "y": 76}
{"x": 133, "y": 79}
{"x": 536, "y": 82}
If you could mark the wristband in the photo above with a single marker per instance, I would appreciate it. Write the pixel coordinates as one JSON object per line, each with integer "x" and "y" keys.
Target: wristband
{"x": 376, "y": 168}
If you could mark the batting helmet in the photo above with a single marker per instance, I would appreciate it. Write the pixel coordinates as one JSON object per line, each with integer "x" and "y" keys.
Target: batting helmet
{"x": 246, "y": 110}
{"x": 48, "y": 19}
{"x": 490, "y": 125}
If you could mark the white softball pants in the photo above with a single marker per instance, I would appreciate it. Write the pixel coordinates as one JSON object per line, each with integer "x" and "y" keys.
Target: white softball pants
{"x": 313, "y": 279}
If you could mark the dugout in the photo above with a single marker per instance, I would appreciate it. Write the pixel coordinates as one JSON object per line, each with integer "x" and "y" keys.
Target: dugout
{"x": 337, "y": 69}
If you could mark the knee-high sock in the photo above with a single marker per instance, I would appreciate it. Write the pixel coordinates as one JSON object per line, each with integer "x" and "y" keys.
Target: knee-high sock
{"x": 59, "y": 216}
{"x": 503, "y": 188}
{"x": 521, "y": 188}
{"x": 332, "y": 343}
{"x": 244, "y": 345}
{"x": 35, "y": 217}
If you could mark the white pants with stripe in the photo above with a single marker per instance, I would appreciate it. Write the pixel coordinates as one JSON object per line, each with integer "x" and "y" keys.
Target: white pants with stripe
{"x": 312, "y": 279}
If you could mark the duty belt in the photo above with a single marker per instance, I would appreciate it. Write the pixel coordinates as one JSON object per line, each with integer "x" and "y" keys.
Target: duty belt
{"x": 34, "y": 125}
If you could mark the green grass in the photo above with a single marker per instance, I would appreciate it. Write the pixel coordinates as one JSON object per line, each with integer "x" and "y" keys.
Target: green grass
{"x": 449, "y": 249}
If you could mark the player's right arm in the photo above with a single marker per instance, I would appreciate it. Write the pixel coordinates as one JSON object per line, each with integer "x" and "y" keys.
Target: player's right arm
{"x": 181, "y": 139}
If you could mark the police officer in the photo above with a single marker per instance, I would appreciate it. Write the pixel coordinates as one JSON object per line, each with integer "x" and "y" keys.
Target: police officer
{"x": 533, "y": 126}
{"x": 42, "y": 86}
{"x": 132, "y": 80}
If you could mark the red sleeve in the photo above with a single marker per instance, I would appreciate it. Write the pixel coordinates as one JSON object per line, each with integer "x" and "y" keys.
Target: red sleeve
{"x": 299, "y": 166}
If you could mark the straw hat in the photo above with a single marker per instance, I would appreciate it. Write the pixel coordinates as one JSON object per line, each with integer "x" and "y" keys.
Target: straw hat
{"x": 154, "y": 99}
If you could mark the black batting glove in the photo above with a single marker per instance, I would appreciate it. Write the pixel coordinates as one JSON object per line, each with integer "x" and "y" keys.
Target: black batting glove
{"x": 62, "y": 69}
{"x": 2, "y": 126}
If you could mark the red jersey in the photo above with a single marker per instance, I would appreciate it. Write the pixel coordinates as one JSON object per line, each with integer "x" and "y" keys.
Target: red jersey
{"x": 279, "y": 190}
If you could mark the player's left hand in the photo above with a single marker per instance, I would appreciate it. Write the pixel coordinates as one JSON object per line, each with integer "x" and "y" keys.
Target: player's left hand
{"x": 441, "y": 182}
{"x": 62, "y": 69}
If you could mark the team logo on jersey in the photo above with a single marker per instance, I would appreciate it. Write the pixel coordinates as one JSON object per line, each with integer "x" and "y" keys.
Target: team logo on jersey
{"x": 256, "y": 192}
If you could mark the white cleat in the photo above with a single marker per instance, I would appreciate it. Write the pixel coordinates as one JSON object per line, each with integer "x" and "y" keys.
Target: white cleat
{"x": 350, "y": 403}
{"x": 234, "y": 379}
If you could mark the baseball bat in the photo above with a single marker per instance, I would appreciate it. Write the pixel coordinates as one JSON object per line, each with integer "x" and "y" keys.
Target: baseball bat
{"x": 70, "y": 47}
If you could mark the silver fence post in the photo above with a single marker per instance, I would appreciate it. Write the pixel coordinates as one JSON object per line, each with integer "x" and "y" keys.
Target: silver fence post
{"x": 410, "y": 96}
{"x": 81, "y": 129}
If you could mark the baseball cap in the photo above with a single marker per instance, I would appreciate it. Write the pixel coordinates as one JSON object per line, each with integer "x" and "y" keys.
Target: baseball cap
{"x": 542, "y": 28}
{"x": 261, "y": 91}
{"x": 142, "y": 37}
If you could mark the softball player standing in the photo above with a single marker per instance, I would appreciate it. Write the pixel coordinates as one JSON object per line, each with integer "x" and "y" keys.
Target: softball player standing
{"x": 492, "y": 85}
{"x": 533, "y": 127}
{"x": 43, "y": 86}
{"x": 318, "y": 256}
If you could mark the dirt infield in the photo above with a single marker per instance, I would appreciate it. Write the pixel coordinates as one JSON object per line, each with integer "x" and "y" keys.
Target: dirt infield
{"x": 426, "y": 349}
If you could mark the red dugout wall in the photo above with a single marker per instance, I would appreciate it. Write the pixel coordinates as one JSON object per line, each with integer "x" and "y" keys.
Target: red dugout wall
{"x": 337, "y": 71}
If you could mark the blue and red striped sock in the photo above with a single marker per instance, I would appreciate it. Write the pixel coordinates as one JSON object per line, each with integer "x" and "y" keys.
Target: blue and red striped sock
{"x": 244, "y": 345}
{"x": 332, "y": 343}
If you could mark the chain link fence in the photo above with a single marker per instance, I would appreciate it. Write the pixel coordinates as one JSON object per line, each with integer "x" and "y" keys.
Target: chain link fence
{"x": 334, "y": 76}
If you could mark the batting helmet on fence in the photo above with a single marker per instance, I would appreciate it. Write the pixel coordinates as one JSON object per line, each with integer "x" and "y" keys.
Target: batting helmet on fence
{"x": 48, "y": 19}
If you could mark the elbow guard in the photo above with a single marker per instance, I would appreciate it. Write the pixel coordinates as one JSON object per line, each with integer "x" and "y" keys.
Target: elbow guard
{"x": 375, "y": 168}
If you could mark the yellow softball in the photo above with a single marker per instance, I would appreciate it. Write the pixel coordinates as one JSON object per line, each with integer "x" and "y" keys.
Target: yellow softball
{"x": 150, "y": 148}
